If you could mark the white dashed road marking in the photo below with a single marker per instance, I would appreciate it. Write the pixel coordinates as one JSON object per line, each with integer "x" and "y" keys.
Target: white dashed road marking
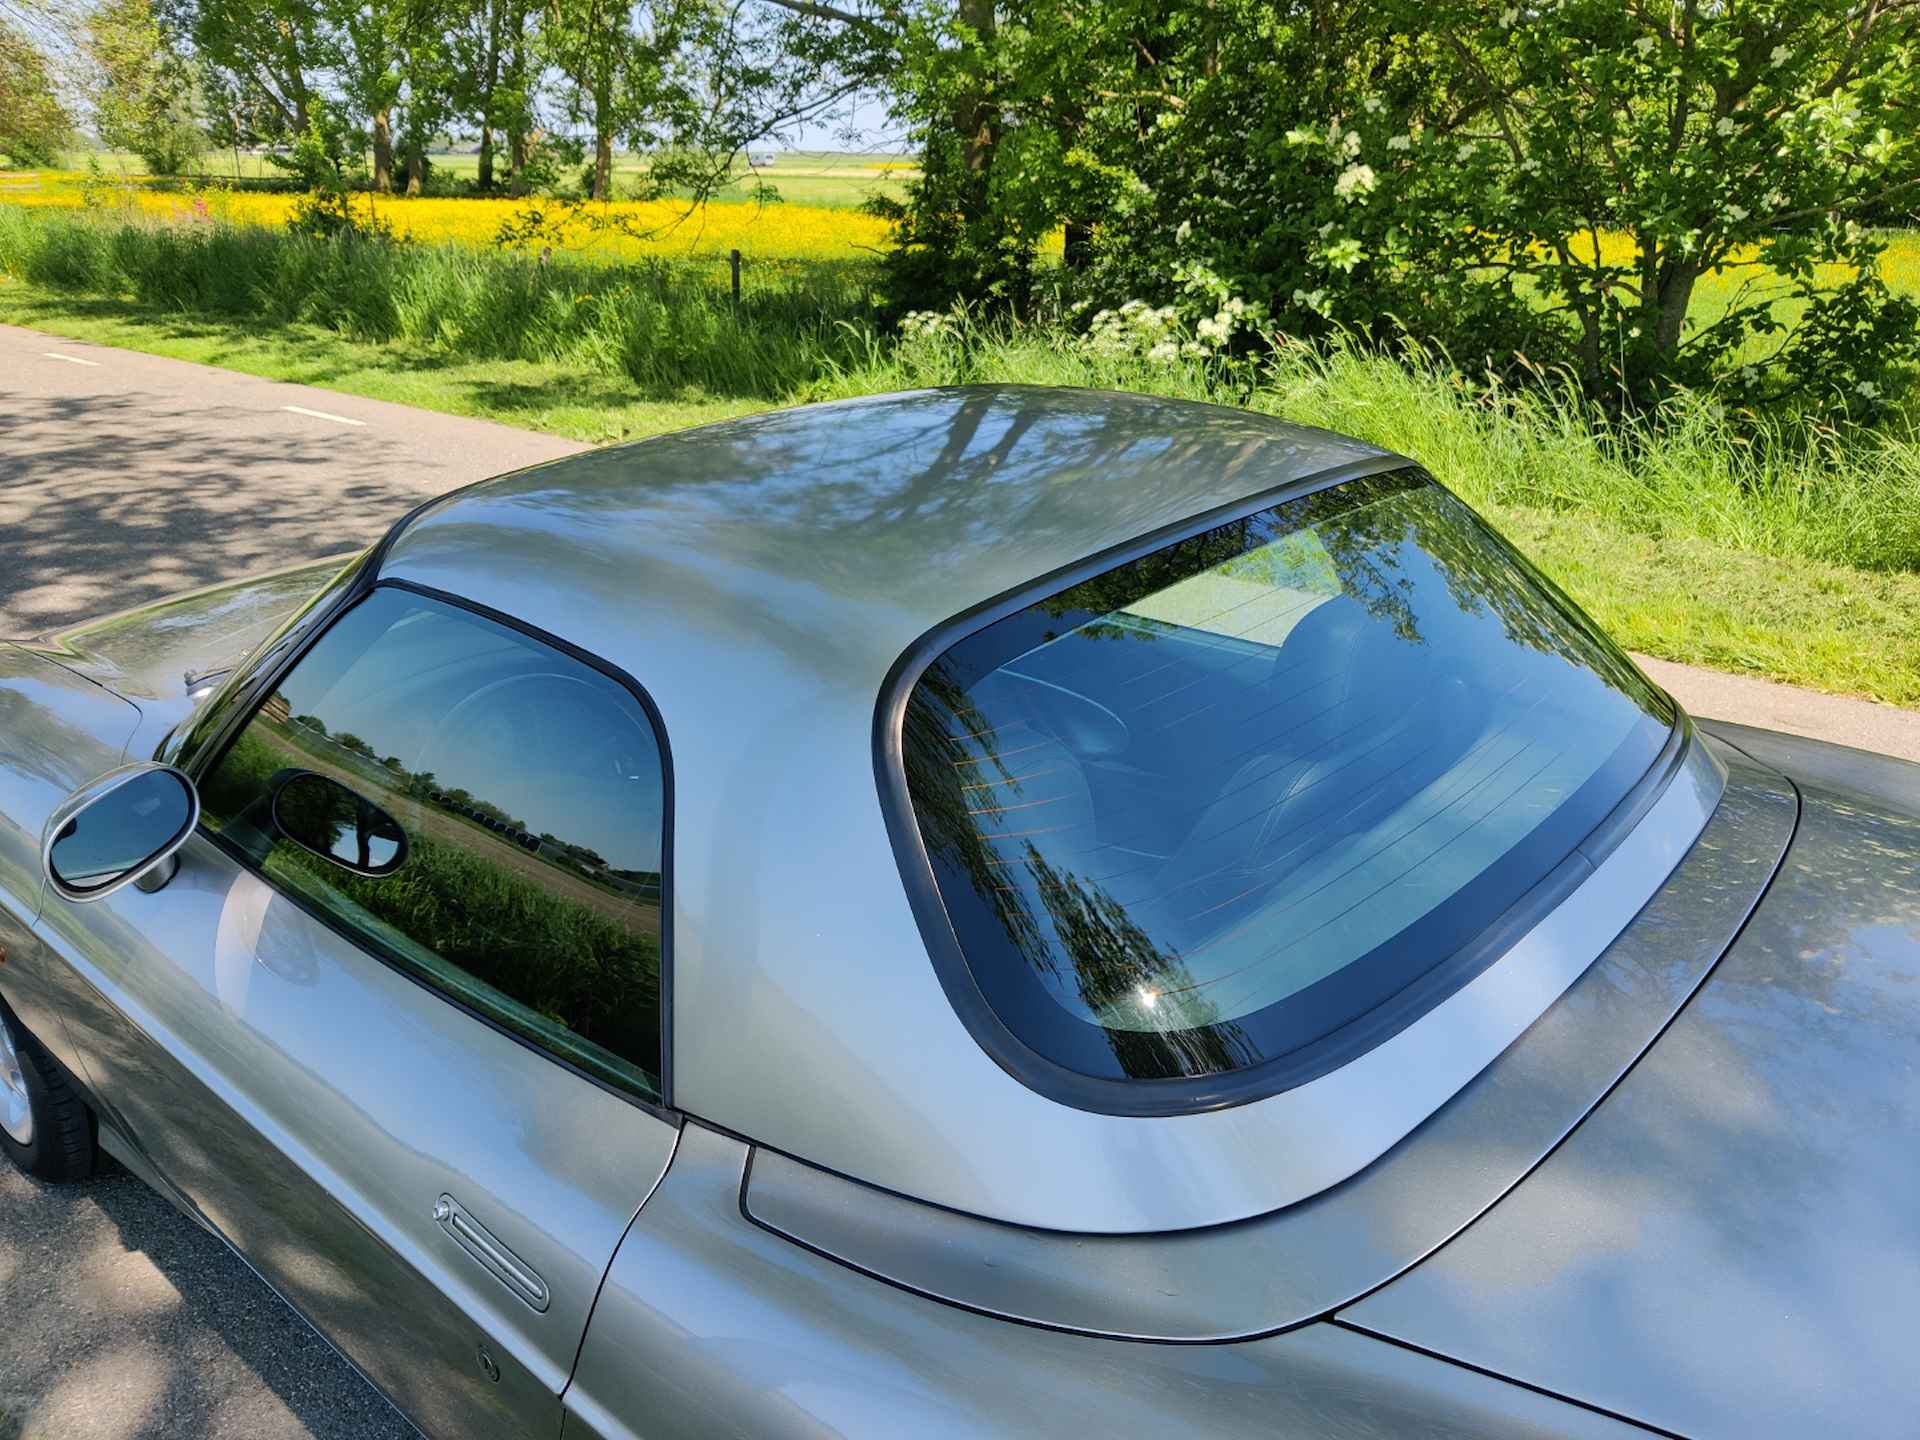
{"x": 70, "y": 359}
{"x": 322, "y": 415}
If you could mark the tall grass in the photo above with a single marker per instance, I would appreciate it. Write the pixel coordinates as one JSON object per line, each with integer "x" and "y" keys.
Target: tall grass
{"x": 668, "y": 326}
{"x": 1848, "y": 498}
{"x": 805, "y": 332}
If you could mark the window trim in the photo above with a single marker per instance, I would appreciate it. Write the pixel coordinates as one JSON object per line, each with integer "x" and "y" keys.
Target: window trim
{"x": 210, "y": 753}
{"x": 1158, "y": 1098}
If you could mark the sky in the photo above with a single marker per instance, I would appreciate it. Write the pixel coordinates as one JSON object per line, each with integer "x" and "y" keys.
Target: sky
{"x": 865, "y": 116}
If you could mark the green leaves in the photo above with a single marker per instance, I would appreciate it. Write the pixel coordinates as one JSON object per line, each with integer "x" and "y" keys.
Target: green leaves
{"x": 1644, "y": 199}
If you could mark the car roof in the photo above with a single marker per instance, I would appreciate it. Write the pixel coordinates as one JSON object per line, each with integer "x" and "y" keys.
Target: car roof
{"x": 760, "y": 578}
{"x": 920, "y": 505}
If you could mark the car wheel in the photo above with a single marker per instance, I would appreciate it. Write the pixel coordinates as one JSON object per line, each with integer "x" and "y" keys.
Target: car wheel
{"x": 45, "y": 1126}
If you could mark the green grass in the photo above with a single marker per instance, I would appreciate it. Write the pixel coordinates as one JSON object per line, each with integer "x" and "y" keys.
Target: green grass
{"x": 560, "y": 399}
{"x": 1689, "y": 540}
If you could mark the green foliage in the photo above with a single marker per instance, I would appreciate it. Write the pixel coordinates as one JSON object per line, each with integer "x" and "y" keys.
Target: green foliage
{"x": 1385, "y": 167}
{"x": 33, "y": 124}
{"x": 142, "y": 88}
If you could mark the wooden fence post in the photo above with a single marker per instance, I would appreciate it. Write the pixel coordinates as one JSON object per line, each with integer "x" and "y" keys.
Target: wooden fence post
{"x": 733, "y": 259}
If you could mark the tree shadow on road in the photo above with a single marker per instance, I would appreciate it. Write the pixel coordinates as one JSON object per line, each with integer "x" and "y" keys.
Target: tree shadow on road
{"x": 108, "y": 501}
{"x": 129, "y": 1322}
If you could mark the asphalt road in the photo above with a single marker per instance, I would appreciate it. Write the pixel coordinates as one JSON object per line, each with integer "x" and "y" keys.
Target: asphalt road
{"x": 120, "y": 1319}
{"x": 126, "y": 478}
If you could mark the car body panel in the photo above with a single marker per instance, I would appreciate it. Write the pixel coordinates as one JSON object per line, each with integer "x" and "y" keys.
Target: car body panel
{"x": 1730, "y": 1243}
{"x": 159, "y": 657}
{"x": 709, "y": 1325}
{"x": 58, "y": 731}
{"x": 761, "y": 578}
{"x": 312, "y": 1105}
{"x": 1307, "y": 1260}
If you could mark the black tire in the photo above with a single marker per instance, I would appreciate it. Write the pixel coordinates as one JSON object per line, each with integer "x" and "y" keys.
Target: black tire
{"x": 62, "y": 1144}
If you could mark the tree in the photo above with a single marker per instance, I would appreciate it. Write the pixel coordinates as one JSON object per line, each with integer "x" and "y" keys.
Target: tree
{"x": 1608, "y": 157}
{"x": 263, "y": 66}
{"x": 33, "y": 124}
{"x": 490, "y": 79}
{"x": 142, "y": 90}
{"x": 1534, "y": 188}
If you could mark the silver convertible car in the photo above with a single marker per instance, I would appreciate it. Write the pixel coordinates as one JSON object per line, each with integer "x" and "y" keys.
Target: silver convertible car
{"x": 985, "y": 912}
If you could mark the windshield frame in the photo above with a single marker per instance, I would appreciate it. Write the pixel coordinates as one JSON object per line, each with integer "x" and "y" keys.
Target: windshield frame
{"x": 1155, "y": 1097}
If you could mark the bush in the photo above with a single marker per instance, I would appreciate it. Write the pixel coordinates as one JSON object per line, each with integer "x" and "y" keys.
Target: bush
{"x": 1546, "y": 188}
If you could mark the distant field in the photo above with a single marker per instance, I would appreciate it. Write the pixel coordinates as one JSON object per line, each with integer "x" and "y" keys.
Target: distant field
{"x": 803, "y": 177}
{"x": 626, "y": 230}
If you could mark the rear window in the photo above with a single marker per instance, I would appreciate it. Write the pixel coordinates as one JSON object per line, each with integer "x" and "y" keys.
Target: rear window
{"x": 1249, "y": 802}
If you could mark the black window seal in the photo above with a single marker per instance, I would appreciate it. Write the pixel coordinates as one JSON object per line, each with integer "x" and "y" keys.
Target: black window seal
{"x": 362, "y": 585}
{"x": 1156, "y": 1098}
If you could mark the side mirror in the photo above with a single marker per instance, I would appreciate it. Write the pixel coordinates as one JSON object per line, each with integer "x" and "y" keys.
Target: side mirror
{"x": 318, "y": 813}
{"x": 117, "y": 829}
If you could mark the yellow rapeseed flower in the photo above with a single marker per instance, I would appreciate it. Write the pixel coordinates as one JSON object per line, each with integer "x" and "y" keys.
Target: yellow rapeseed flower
{"x": 628, "y": 229}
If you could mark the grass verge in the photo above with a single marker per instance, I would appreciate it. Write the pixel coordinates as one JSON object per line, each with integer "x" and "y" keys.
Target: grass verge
{"x": 1690, "y": 550}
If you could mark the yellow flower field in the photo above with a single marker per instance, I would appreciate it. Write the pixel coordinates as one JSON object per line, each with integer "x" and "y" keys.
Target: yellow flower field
{"x": 661, "y": 228}
{"x": 631, "y": 229}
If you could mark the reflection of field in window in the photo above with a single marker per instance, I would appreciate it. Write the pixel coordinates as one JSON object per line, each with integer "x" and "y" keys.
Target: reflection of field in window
{"x": 546, "y": 963}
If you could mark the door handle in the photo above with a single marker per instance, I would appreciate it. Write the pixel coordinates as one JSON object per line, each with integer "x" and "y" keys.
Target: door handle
{"x": 494, "y": 1257}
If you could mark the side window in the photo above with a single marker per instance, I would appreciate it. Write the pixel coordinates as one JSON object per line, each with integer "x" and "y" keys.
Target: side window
{"x": 496, "y": 814}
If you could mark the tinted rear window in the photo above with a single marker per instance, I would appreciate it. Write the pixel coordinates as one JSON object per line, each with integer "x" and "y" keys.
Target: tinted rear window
{"x": 1217, "y": 807}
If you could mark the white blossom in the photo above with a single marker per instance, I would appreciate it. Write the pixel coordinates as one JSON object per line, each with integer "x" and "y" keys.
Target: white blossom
{"x": 1781, "y": 54}
{"x": 1373, "y": 104}
{"x": 1164, "y": 351}
{"x": 1645, "y": 45}
{"x": 1182, "y": 234}
{"x": 1400, "y": 142}
{"x": 1867, "y": 390}
{"x": 1774, "y": 200}
{"x": 1507, "y": 17}
{"x": 1354, "y": 181}
{"x": 1736, "y": 213}
{"x": 1467, "y": 151}
{"x": 1725, "y": 127}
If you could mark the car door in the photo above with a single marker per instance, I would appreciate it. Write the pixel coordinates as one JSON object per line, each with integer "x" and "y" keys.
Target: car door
{"x": 404, "y": 1050}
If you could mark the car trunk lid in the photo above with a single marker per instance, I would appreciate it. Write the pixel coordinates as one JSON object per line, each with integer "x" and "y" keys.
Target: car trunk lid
{"x": 1730, "y": 1244}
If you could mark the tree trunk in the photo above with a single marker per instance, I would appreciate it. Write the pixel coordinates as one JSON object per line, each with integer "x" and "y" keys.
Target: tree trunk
{"x": 383, "y": 151}
{"x": 517, "y": 160}
{"x": 976, "y": 121}
{"x": 490, "y": 78}
{"x": 517, "y": 122}
{"x": 416, "y": 166}
{"x": 602, "y": 163}
{"x": 1076, "y": 253}
{"x": 1676, "y": 294}
{"x": 603, "y": 133}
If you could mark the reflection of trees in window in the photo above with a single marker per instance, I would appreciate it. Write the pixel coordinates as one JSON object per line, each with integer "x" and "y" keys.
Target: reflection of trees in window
{"x": 1368, "y": 527}
{"x": 1124, "y": 979}
{"x": 1121, "y": 976}
{"x": 945, "y": 740}
{"x": 1383, "y": 542}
